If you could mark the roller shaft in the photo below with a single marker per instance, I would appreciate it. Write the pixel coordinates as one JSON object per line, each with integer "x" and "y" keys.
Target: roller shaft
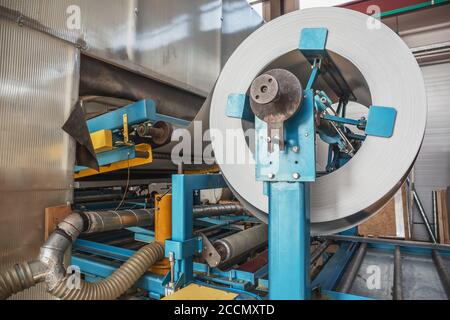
{"x": 217, "y": 210}
{"x": 242, "y": 242}
{"x": 101, "y": 221}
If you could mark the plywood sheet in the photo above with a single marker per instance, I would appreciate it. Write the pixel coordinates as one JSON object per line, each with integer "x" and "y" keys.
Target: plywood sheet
{"x": 391, "y": 221}
{"x": 53, "y": 216}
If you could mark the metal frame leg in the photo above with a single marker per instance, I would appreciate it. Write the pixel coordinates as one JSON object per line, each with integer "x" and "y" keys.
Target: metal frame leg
{"x": 289, "y": 256}
{"x": 183, "y": 187}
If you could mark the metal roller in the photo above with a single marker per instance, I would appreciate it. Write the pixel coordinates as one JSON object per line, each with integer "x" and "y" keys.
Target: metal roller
{"x": 242, "y": 242}
{"x": 101, "y": 221}
{"x": 217, "y": 210}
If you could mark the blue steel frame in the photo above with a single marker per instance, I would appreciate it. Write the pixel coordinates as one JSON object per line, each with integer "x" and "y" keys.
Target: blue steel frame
{"x": 139, "y": 112}
{"x": 334, "y": 268}
{"x": 183, "y": 243}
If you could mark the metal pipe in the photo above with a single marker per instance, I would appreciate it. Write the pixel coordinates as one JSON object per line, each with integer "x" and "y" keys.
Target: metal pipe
{"x": 209, "y": 229}
{"x": 401, "y": 243}
{"x": 217, "y": 210}
{"x": 101, "y": 221}
{"x": 435, "y": 219}
{"x": 242, "y": 242}
{"x": 398, "y": 288}
{"x": 423, "y": 215}
{"x": 50, "y": 265}
{"x": 442, "y": 271}
{"x": 421, "y": 210}
{"x": 141, "y": 154}
{"x": 349, "y": 277}
{"x": 105, "y": 198}
{"x": 319, "y": 251}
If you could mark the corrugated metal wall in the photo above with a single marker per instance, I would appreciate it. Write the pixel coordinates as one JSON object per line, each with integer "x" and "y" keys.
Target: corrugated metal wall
{"x": 184, "y": 43}
{"x": 426, "y": 29}
{"x": 432, "y": 169}
{"x": 39, "y": 86}
{"x": 179, "y": 42}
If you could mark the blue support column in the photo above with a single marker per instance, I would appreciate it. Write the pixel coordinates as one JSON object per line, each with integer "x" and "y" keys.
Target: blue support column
{"x": 289, "y": 254}
{"x": 182, "y": 223}
{"x": 183, "y": 243}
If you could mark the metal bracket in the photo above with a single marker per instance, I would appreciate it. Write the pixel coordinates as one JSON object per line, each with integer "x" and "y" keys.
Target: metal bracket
{"x": 137, "y": 113}
{"x": 210, "y": 253}
{"x": 183, "y": 249}
{"x": 381, "y": 121}
{"x": 312, "y": 45}
{"x": 238, "y": 106}
{"x": 297, "y": 163}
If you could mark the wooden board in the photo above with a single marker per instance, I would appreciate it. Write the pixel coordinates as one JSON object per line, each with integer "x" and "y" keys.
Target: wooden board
{"x": 442, "y": 216}
{"x": 198, "y": 292}
{"x": 384, "y": 223}
{"x": 53, "y": 216}
{"x": 446, "y": 212}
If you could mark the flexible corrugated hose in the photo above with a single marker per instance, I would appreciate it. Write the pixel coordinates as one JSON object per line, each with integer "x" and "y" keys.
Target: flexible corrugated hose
{"x": 121, "y": 280}
{"x": 15, "y": 280}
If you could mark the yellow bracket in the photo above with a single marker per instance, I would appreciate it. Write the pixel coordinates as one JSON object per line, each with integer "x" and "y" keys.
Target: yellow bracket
{"x": 121, "y": 164}
{"x": 126, "y": 137}
{"x": 102, "y": 141}
{"x": 213, "y": 169}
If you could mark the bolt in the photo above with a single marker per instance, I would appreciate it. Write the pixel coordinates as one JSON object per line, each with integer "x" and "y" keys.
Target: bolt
{"x": 271, "y": 175}
{"x": 296, "y": 176}
{"x": 295, "y": 149}
{"x": 307, "y": 135}
{"x": 269, "y": 140}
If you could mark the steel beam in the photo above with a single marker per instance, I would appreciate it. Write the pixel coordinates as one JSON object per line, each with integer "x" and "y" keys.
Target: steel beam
{"x": 289, "y": 246}
{"x": 398, "y": 274}
{"x": 349, "y": 277}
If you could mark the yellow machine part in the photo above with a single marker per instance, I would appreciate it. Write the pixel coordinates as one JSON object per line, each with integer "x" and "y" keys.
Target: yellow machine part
{"x": 102, "y": 141}
{"x": 198, "y": 292}
{"x": 163, "y": 229}
{"x": 213, "y": 169}
{"x": 121, "y": 164}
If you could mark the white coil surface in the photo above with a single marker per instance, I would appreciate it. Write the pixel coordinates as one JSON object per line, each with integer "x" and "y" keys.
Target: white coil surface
{"x": 380, "y": 69}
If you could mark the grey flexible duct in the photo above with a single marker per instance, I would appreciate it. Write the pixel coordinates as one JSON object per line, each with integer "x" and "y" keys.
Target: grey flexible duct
{"x": 50, "y": 268}
{"x": 122, "y": 279}
{"x": 15, "y": 279}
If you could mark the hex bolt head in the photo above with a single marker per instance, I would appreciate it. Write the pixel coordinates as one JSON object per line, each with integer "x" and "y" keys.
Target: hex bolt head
{"x": 271, "y": 176}
{"x": 296, "y": 175}
{"x": 296, "y": 149}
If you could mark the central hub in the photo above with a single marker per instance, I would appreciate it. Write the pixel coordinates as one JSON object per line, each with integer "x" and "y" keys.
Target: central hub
{"x": 265, "y": 89}
{"x": 276, "y": 96}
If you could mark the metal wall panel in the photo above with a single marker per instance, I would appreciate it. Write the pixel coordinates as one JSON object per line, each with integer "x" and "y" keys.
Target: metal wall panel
{"x": 432, "y": 169}
{"x": 427, "y": 33}
{"x": 38, "y": 87}
{"x": 182, "y": 43}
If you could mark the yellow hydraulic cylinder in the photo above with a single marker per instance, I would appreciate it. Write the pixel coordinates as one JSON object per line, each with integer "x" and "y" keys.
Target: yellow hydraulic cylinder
{"x": 163, "y": 228}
